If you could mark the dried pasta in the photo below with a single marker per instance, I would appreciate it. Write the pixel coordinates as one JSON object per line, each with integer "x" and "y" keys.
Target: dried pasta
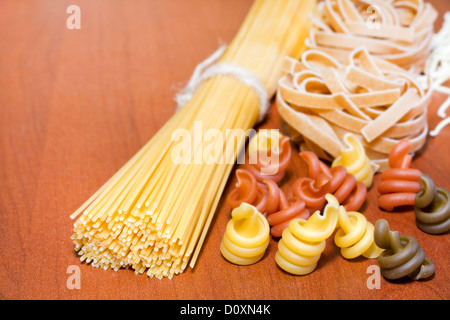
{"x": 290, "y": 209}
{"x": 397, "y": 31}
{"x": 376, "y": 101}
{"x": 402, "y": 255}
{"x": 346, "y": 189}
{"x": 269, "y": 163}
{"x": 248, "y": 190}
{"x": 271, "y": 199}
{"x": 153, "y": 215}
{"x": 355, "y": 160}
{"x": 355, "y": 235}
{"x": 322, "y": 180}
{"x": 257, "y": 181}
{"x": 312, "y": 190}
{"x": 246, "y": 237}
{"x": 432, "y": 207}
{"x": 303, "y": 242}
{"x": 399, "y": 184}
{"x": 437, "y": 71}
{"x": 277, "y": 198}
{"x": 265, "y": 140}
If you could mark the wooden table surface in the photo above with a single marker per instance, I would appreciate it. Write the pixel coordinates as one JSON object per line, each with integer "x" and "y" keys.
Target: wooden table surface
{"x": 76, "y": 104}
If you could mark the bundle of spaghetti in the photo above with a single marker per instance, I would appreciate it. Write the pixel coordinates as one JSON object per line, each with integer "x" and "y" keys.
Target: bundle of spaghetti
{"x": 399, "y": 184}
{"x": 396, "y": 31}
{"x": 153, "y": 215}
{"x": 322, "y": 180}
{"x": 375, "y": 100}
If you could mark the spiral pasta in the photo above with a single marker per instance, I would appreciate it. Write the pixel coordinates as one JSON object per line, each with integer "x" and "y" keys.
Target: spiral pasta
{"x": 248, "y": 190}
{"x": 402, "y": 256}
{"x": 349, "y": 192}
{"x": 268, "y": 156}
{"x": 355, "y": 236}
{"x": 355, "y": 160}
{"x": 432, "y": 207}
{"x": 312, "y": 191}
{"x": 265, "y": 140}
{"x": 290, "y": 209}
{"x": 303, "y": 242}
{"x": 322, "y": 180}
{"x": 399, "y": 184}
{"x": 276, "y": 199}
{"x": 246, "y": 237}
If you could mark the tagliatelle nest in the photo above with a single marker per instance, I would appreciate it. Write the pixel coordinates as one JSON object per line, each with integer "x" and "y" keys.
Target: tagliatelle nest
{"x": 399, "y": 31}
{"x": 379, "y": 102}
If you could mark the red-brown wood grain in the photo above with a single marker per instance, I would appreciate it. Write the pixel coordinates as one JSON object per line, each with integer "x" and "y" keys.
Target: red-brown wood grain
{"x": 75, "y": 105}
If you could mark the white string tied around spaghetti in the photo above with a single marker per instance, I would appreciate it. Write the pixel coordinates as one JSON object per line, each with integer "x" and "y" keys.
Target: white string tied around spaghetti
{"x": 210, "y": 68}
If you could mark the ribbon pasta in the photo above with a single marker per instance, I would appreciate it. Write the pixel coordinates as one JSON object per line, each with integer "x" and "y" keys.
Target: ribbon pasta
{"x": 396, "y": 31}
{"x": 375, "y": 100}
